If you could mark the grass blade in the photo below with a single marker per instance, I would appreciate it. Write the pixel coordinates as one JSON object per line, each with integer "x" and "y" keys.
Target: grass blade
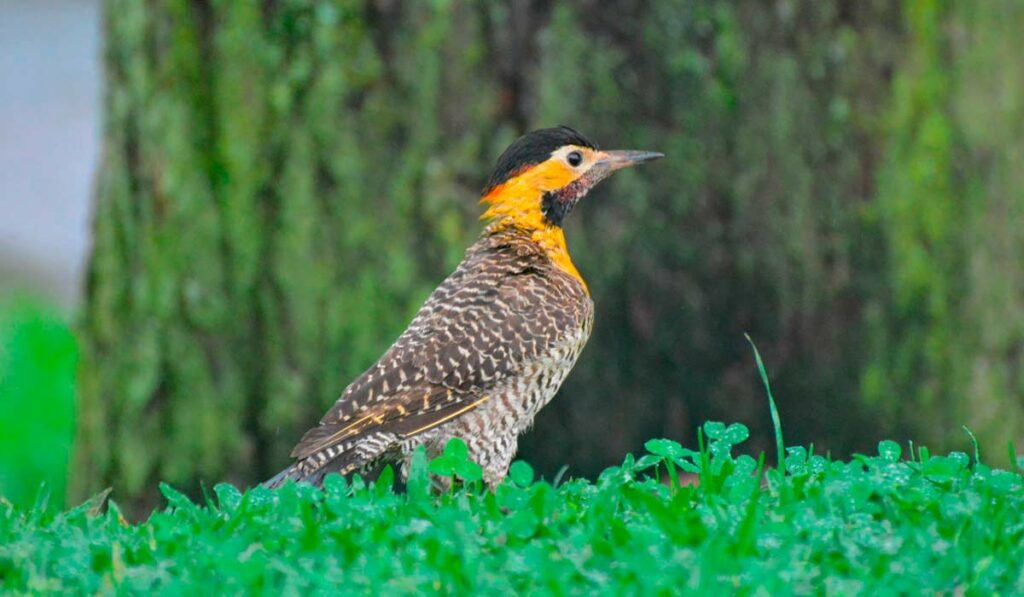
{"x": 780, "y": 446}
{"x": 977, "y": 450}
{"x": 1013, "y": 457}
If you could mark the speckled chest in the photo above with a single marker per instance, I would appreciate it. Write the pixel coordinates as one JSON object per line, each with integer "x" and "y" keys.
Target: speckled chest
{"x": 516, "y": 355}
{"x": 517, "y": 400}
{"x": 492, "y": 430}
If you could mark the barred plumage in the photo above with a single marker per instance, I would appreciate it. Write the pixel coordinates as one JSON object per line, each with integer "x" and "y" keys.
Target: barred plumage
{"x": 491, "y": 345}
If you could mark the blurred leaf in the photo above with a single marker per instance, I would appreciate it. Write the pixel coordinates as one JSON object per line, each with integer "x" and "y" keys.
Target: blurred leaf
{"x": 38, "y": 358}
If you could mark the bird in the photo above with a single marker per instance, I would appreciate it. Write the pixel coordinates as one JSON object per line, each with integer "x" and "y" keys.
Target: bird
{"x": 493, "y": 343}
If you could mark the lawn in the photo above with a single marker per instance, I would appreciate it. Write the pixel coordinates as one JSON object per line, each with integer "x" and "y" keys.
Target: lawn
{"x": 673, "y": 519}
{"x": 901, "y": 523}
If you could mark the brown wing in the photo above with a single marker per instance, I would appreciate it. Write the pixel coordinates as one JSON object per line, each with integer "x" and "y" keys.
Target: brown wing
{"x": 500, "y": 309}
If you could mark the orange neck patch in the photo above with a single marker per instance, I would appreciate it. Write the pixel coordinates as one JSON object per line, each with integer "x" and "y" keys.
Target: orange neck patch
{"x": 516, "y": 203}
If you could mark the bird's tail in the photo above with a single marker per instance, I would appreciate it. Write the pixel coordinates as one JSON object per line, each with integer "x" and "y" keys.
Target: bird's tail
{"x": 304, "y": 471}
{"x": 289, "y": 474}
{"x": 361, "y": 458}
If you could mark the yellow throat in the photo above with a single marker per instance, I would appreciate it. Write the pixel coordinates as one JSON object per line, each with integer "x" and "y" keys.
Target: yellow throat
{"x": 516, "y": 203}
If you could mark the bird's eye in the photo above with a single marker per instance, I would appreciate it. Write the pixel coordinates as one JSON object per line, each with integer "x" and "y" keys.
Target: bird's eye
{"x": 574, "y": 158}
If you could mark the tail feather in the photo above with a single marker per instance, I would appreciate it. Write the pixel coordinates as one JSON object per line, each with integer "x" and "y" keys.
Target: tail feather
{"x": 343, "y": 459}
{"x": 309, "y": 472}
{"x": 289, "y": 474}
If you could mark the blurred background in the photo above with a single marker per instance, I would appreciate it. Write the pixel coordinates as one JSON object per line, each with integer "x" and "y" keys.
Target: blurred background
{"x": 215, "y": 214}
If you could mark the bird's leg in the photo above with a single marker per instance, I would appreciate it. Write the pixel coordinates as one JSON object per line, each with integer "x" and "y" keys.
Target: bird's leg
{"x": 441, "y": 485}
{"x": 494, "y": 457}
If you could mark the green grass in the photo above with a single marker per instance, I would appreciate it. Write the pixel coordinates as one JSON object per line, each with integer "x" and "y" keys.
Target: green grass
{"x": 875, "y": 523}
{"x": 671, "y": 520}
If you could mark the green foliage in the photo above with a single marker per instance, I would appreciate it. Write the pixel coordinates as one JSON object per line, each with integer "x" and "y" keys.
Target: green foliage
{"x": 934, "y": 524}
{"x": 38, "y": 356}
{"x": 454, "y": 463}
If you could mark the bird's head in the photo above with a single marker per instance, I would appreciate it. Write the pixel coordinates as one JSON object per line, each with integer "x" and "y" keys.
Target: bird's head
{"x": 543, "y": 174}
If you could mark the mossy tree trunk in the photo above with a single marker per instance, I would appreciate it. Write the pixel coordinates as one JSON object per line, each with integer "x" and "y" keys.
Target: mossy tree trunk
{"x": 278, "y": 193}
{"x": 284, "y": 182}
{"x": 947, "y": 345}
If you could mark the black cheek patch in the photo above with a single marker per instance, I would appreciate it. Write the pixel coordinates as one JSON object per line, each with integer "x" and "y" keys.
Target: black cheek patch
{"x": 555, "y": 205}
{"x": 553, "y": 208}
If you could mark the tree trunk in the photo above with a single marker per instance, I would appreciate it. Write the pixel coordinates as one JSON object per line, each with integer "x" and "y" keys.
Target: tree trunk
{"x": 284, "y": 182}
{"x": 278, "y": 194}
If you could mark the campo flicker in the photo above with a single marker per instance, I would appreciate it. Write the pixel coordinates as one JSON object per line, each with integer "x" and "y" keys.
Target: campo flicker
{"x": 494, "y": 342}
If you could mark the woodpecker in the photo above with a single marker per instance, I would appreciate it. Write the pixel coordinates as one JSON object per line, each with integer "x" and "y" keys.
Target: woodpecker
{"x": 494, "y": 342}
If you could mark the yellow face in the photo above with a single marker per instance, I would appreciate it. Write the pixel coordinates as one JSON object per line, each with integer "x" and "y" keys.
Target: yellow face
{"x": 536, "y": 198}
{"x": 518, "y": 201}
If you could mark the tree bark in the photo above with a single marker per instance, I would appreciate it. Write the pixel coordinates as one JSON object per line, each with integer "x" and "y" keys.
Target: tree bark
{"x": 284, "y": 182}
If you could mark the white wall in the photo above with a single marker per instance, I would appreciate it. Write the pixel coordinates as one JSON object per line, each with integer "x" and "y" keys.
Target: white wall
{"x": 49, "y": 131}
